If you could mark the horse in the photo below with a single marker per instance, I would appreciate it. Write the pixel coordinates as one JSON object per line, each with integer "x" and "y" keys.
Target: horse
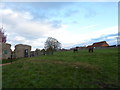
{"x": 91, "y": 49}
{"x": 75, "y": 50}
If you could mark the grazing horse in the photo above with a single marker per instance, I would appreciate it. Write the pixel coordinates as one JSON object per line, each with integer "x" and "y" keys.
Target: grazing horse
{"x": 75, "y": 50}
{"x": 91, "y": 49}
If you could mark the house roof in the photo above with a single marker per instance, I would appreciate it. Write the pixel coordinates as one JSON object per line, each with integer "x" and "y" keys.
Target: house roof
{"x": 99, "y": 44}
{"x": 22, "y": 45}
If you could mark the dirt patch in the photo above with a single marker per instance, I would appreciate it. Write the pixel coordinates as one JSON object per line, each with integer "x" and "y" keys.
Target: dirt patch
{"x": 85, "y": 65}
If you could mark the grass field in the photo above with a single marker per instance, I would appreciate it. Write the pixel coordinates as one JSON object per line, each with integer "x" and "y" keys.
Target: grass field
{"x": 64, "y": 70}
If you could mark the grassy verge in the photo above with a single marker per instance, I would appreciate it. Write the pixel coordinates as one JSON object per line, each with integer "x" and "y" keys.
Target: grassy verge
{"x": 8, "y": 60}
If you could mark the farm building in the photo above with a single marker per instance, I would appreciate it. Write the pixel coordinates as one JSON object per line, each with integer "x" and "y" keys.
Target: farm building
{"x": 6, "y": 51}
{"x": 37, "y": 52}
{"x": 100, "y": 44}
{"x": 32, "y": 53}
{"x": 22, "y": 50}
{"x": 82, "y": 47}
{"x": 89, "y": 46}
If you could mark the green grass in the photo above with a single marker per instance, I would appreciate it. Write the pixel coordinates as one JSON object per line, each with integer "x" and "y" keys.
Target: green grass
{"x": 9, "y": 60}
{"x": 64, "y": 70}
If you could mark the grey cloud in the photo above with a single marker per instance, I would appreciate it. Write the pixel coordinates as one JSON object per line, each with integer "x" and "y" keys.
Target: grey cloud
{"x": 43, "y": 10}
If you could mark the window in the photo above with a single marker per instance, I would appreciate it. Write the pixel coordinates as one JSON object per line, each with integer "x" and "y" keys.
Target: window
{"x": 5, "y": 52}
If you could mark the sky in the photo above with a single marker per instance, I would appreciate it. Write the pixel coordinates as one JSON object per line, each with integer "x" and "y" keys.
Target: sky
{"x": 71, "y": 23}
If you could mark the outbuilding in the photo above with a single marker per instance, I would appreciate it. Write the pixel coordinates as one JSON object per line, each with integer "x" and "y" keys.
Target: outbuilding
{"x": 100, "y": 44}
{"x": 6, "y": 50}
{"x": 22, "y": 50}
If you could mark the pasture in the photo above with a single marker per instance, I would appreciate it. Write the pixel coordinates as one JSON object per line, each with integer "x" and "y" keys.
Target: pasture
{"x": 64, "y": 69}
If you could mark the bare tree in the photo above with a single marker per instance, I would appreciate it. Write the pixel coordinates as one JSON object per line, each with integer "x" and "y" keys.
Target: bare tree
{"x": 2, "y": 36}
{"x": 52, "y": 45}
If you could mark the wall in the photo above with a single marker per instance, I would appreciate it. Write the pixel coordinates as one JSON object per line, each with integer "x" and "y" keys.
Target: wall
{"x": 105, "y": 44}
{"x": 6, "y": 51}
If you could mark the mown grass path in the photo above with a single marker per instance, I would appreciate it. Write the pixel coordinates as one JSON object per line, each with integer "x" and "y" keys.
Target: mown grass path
{"x": 64, "y": 70}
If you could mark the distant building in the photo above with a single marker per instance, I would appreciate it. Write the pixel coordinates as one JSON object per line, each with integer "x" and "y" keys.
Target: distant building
{"x": 6, "y": 51}
{"x": 37, "y": 52}
{"x": 32, "y": 53}
{"x": 100, "y": 44}
{"x": 22, "y": 50}
{"x": 63, "y": 49}
{"x": 82, "y": 47}
{"x": 79, "y": 48}
{"x": 89, "y": 46}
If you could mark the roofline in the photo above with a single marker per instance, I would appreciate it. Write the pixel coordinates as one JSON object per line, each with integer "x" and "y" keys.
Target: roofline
{"x": 22, "y": 45}
{"x": 99, "y": 42}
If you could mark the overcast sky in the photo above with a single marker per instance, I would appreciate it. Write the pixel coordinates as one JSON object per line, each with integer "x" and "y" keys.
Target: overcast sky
{"x": 71, "y": 23}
